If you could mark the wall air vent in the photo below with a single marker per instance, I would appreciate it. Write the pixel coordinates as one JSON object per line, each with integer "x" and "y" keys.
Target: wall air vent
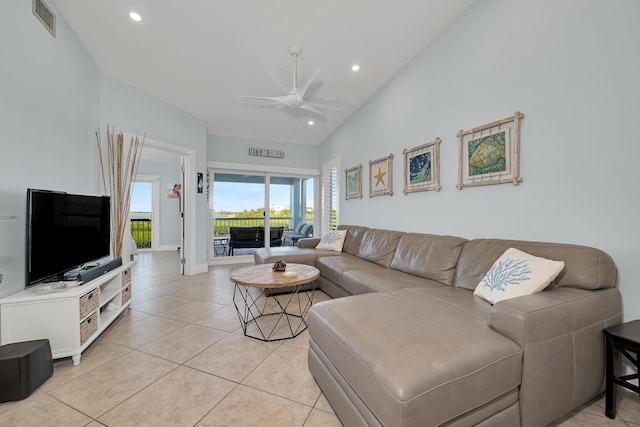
{"x": 45, "y": 15}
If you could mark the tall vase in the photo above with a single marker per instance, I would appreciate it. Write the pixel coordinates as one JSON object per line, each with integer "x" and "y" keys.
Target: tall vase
{"x": 119, "y": 166}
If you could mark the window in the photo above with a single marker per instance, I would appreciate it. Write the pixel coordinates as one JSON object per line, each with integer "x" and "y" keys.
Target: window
{"x": 330, "y": 195}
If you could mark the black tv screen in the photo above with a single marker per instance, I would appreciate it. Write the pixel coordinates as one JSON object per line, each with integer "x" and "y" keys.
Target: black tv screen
{"x": 64, "y": 232}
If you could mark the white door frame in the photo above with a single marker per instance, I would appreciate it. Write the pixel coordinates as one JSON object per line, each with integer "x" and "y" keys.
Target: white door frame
{"x": 188, "y": 157}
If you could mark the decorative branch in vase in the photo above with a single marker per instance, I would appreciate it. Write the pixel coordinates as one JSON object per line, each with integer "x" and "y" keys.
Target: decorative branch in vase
{"x": 119, "y": 166}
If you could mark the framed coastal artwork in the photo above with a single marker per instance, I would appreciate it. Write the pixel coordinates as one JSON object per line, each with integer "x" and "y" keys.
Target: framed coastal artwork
{"x": 422, "y": 167}
{"x": 490, "y": 154}
{"x": 353, "y": 182}
{"x": 381, "y": 176}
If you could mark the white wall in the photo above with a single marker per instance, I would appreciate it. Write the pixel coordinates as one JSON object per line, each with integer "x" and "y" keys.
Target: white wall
{"x": 130, "y": 110}
{"x": 48, "y": 115}
{"x": 572, "y": 68}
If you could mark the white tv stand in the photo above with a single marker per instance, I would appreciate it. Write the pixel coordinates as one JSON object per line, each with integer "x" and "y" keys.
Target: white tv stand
{"x": 70, "y": 318}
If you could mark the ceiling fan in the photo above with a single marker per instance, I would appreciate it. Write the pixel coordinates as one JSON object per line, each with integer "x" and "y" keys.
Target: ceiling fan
{"x": 295, "y": 97}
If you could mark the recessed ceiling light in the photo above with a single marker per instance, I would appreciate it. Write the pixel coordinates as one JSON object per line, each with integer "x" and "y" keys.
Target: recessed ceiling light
{"x": 310, "y": 122}
{"x": 135, "y": 16}
{"x": 355, "y": 67}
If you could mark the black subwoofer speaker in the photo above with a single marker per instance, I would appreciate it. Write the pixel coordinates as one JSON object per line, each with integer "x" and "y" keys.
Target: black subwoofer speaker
{"x": 24, "y": 366}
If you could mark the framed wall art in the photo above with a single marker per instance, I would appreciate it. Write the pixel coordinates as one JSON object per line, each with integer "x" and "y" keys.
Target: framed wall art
{"x": 381, "y": 176}
{"x": 353, "y": 182}
{"x": 422, "y": 167}
{"x": 490, "y": 154}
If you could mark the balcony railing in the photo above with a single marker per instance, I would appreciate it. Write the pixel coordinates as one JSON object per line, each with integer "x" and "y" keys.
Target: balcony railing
{"x": 141, "y": 232}
{"x": 221, "y": 225}
{"x": 141, "y": 227}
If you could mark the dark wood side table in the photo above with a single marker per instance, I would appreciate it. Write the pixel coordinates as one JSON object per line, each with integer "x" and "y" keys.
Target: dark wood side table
{"x": 626, "y": 339}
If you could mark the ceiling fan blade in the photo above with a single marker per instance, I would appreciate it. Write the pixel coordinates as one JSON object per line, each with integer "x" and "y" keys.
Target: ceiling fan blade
{"x": 313, "y": 108}
{"x": 306, "y": 81}
{"x": 267, "y": 98}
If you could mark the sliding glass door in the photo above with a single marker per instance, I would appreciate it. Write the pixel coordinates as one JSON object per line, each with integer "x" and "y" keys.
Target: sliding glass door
{"x": 240, "y": 222}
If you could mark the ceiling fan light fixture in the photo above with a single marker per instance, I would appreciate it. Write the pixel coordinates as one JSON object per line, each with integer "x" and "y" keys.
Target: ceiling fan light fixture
{"x": 295, "y": 97}
{"x": 135, "y": 16}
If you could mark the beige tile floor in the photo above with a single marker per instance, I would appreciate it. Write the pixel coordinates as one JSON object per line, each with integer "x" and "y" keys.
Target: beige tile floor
{"x": 178, "y": 358}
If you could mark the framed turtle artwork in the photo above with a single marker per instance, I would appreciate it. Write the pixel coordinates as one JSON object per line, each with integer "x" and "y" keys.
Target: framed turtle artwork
{"x": 490, "y": 154}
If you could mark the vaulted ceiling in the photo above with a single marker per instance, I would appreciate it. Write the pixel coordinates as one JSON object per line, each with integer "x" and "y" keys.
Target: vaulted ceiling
{"x": 201, "y": 55}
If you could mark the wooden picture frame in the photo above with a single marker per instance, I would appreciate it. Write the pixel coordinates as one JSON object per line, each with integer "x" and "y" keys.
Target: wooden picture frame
{"x": 422, "y": 167}
{"x": 381, "y": 176}
{"x": 490, "y": 154}
{"x": 353, "y": 183}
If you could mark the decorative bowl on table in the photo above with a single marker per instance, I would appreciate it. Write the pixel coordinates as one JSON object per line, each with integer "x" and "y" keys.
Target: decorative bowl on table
{"x": 279, "y": 265}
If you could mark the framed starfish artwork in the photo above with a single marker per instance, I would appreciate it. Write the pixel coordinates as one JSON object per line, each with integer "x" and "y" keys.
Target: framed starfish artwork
{"x": 381, "y": 176}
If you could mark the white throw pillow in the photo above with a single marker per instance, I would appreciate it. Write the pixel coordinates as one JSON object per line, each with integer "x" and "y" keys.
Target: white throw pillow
{"x": 333, "y": 240}
{"x": 517, "y": 273}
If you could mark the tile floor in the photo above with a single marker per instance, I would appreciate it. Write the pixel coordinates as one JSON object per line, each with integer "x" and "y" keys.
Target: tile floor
{"x": 178, "y": 358}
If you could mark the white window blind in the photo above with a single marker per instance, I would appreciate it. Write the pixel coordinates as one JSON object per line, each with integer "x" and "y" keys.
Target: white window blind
{"x": 330, "y": 195}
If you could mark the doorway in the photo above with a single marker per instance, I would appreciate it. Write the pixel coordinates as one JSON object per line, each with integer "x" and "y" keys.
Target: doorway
{"x": 145, "y": 212}
{"x": 240, "y": 223}
{"x": 181, "y": 213}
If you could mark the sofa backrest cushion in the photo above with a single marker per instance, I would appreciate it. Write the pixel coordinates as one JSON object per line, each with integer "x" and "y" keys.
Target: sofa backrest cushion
{"x": 428, "y": 256}
{"x": 353, "y": 238}
{"x": 379, "y": 246}
{"x": 584, "y": 267}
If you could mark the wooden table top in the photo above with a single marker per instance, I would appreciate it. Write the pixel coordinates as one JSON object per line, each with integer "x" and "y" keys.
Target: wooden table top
{"x": 263, "y": 276}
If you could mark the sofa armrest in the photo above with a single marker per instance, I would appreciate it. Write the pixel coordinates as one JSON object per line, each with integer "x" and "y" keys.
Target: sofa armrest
{"x": 560, "y": 333}
{"x": 308, "y": 242}
{"x": 549, "y": 314}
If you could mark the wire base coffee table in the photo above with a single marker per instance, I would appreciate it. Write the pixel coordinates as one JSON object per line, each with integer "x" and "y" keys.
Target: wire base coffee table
{"x": 272, "y": 305}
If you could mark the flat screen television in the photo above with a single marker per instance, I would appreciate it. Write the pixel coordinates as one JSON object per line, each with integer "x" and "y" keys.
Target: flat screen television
{"x": 64, "y": 232}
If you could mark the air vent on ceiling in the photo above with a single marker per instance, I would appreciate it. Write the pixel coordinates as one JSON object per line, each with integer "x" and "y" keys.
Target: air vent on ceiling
{"x": 45, "y": 15}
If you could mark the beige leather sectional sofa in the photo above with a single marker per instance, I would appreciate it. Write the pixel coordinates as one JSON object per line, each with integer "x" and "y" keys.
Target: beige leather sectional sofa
{"x": 412, "y": 345}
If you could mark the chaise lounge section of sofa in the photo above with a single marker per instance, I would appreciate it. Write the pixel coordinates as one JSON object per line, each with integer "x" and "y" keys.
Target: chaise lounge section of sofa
{"x": 411, "y": 345}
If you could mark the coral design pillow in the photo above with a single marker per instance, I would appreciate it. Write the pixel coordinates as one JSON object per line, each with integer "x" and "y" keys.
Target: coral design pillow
{"x": 333, "y": 240}
{"x": 517, "y": 273}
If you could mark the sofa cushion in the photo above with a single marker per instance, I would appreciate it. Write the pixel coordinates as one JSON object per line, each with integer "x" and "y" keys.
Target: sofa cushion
{"x": 429, "y": 256}
{"x": 332, "y": 267}
{"x": 515, "y": 274}
{"x": 379, "y": 246}
{"x": 463, "y": 300}
{"x": 585, "y": 267}
{"x": 424, "y": 374}
{"x": 333, "y": 240}
{"x": 379, "y": 279}
{"x": 353, "y": 238}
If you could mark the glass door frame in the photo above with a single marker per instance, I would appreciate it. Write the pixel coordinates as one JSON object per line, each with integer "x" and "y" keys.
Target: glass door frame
{"x": 268, "y": 172}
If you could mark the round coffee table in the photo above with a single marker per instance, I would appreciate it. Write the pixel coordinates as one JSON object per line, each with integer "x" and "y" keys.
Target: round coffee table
{"x": 272, "y": 305}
